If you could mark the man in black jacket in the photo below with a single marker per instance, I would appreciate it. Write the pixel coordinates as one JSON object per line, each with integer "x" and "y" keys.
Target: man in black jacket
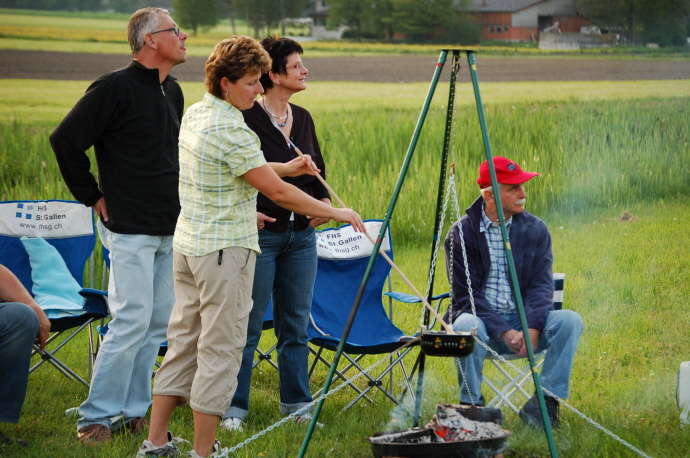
{"x": 497, "y": 319}
{"x": 132, "y": 119}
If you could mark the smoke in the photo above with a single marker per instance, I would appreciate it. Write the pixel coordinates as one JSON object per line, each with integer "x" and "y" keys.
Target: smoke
{"x": 433, "y": 392}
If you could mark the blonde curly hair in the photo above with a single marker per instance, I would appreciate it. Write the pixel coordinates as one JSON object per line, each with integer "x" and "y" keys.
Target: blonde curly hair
{"x": 233, "y": 58}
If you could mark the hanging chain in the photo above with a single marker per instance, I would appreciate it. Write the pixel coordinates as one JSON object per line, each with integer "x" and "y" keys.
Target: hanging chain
{"x": 452, "y": 108}
{"x": 434, "y": 258}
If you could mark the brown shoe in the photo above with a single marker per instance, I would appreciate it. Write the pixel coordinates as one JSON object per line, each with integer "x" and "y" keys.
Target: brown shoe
{"x": 95, "y": 434}
{"x": 137, "y": 425}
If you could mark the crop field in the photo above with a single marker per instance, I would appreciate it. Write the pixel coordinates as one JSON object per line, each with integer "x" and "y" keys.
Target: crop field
{"x": 615, "y": 179}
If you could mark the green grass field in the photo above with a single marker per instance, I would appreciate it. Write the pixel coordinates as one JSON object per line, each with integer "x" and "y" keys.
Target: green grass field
{"x": 603, "y": 149}
{"x": 598, "y": 157}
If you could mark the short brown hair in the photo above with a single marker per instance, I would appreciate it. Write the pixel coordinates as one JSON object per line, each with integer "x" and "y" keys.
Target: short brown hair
{"x": 143, "y": 21}
{"x": 279, "y": 48}
{"x": 233, "y": 58}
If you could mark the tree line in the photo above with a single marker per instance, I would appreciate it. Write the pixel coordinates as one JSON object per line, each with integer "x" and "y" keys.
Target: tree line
{"x": 666, "y": 22}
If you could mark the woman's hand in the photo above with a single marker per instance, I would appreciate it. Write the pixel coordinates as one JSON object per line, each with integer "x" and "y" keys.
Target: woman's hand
{"x": 261, "y": 220}
{"x": 301, "y": 165}
{"x": 346, "y": 215}
{"x": 315, "y": 221}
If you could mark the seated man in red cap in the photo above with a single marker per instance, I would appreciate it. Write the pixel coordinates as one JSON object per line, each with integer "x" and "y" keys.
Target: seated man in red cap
{"x": 497, "y": 318}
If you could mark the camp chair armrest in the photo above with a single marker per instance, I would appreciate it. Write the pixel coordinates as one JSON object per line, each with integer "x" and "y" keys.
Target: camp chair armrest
{"x": 410, "y": 299}
{"x": 90, "y": 292}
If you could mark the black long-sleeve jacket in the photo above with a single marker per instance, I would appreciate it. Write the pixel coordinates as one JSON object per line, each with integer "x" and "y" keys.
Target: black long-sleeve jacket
{"x": 276, "y": 149}
{"x": 133, "y": 123}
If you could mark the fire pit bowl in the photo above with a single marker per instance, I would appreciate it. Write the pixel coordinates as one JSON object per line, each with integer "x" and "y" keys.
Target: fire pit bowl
{"x": 439, "y": 343}
{"x": 426, "y": 448}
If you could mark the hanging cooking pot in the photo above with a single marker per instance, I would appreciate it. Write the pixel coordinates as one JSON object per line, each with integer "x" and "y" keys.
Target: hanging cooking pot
{"x": 441, "y": 343}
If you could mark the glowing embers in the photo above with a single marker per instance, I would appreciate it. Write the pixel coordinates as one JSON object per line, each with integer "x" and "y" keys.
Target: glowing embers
{"x": 455, "y": 431}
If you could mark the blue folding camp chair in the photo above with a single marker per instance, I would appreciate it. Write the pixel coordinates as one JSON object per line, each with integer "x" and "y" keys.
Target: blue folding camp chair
{"x": 343, "y": 258}
{"x": 68, "y": 228}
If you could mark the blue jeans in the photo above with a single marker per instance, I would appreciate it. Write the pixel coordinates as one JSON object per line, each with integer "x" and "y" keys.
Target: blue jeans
{"x": 140, "y": 298}
{"x": 285, "y": 272}
{"x": 560, "y": 337}
{"x": 18, "y": 330}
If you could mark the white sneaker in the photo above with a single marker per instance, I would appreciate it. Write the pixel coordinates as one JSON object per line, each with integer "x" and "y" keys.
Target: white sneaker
{"x": 304, "y": 419}
{"x": 216, "y": 450}
{"x": 167, "y": 449}
{"x": 232, "y": 424}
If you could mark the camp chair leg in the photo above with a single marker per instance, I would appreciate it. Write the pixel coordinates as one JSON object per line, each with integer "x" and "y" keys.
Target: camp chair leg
{"x": 48, "y": 357}
{"x": 516, "y": 383}
{"x": 377, "y": 382}
{"x": 500, "y": 397}
{"x": 92, "y": 351}
{"x": 266, "y": 357}
{"x": 317, "y": 358}
{"x": 408, "y": 380}
{"x": 336, "y": 375}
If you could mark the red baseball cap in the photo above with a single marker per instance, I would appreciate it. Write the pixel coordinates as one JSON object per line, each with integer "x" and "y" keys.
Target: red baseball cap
{"x": 507, "y": 172}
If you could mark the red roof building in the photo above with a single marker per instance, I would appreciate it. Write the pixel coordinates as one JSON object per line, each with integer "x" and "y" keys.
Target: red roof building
{"x": 522, "y": 20}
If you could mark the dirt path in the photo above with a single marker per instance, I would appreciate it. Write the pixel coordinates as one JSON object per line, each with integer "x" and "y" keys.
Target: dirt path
{"x": 81, "y": 66}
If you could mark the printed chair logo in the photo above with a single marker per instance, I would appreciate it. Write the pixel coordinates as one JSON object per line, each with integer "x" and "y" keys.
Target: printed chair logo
{"x": 27, "y": 208}
{"x": 37, "y": 212}
{"x": 47, "y": 219}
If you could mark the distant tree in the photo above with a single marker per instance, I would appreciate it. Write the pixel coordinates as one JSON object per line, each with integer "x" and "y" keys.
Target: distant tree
{"x": 619, "y": 14}
{"x": 266, "y": 14}
{"x": 417, "y": 20}
{"x": 230, "y": 6}
{"x": 422, "y": 20}
{"x": 462, "y": 29}
{"x": 130, "y": 6}
{"x": 54, "y": 5}
{"x": 664, "y": 22}
{"x": 364, "y": 18}
{"x": 196, "y": 15}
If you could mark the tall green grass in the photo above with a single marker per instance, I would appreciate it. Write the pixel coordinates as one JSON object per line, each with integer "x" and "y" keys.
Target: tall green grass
{"x": 589, "y": 155}
{"x": 596, "y": 154}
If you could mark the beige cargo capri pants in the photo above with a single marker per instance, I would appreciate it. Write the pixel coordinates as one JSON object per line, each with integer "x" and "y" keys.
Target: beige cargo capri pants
{"x": 208, "y": 328}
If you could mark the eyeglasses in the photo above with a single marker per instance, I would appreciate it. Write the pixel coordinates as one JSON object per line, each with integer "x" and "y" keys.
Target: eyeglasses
{"x": 174, "y": 29}
{"x": 298, "y": 66}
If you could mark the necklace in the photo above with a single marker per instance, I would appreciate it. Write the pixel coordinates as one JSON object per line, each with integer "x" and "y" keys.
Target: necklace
{"x": 287, "y": 112}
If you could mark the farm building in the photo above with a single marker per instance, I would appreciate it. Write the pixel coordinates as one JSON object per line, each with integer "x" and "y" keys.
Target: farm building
{"x": 318, "y": 12}
{"x": 522, "y": 20}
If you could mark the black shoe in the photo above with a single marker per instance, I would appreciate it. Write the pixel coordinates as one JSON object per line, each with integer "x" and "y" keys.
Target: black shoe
{"x": 4, "y": 440}
{"x": 531, "y": 414}
{"x": 480, "y": 402}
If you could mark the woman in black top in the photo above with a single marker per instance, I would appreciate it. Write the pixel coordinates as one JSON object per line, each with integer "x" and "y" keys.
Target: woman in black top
{"x": 286, "y": 268}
